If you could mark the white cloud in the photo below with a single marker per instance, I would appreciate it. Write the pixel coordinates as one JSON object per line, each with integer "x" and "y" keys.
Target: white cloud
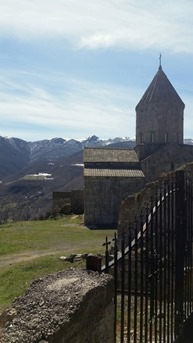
{"x": 103, "y": 23}
{"x": 88, "y": 109}
{"x": 62, "y": 105}
{"x": 79, "y": 110}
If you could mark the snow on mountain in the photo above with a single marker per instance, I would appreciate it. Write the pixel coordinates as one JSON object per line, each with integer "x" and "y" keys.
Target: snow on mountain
{"x": 16, "y": 154}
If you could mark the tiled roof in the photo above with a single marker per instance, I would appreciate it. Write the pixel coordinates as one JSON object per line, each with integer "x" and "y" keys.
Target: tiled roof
{"x": 160, "y": 90}
{"x": 109, "y": 155}
{"x": 113, "y": 172}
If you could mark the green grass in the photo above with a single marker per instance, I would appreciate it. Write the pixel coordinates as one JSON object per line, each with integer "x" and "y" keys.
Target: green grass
{"x": 49, "y": 234}
{"x": 52, "y": 238}
{"x": 15, "y": 279}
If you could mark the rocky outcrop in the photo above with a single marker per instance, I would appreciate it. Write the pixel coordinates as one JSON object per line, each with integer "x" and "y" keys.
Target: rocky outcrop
{"x": 72, "y": 306}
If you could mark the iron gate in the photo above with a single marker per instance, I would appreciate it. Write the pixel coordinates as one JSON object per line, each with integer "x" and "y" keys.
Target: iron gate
{"x": 152, "y": 267}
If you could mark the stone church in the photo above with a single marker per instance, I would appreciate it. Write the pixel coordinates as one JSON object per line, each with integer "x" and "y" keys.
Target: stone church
{"x": 110, "y": 175}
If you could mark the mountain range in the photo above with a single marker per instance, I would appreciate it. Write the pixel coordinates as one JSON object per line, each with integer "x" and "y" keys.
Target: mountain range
{"x": 17, "y": 156}
{"x": 31, "y": 171}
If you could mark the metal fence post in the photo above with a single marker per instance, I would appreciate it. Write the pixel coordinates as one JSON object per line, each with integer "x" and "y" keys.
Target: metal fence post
{"x": 180, "y": 230}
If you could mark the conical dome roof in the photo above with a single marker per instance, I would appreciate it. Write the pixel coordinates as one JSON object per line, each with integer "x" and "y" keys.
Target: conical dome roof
{"x": 160, "y": 90}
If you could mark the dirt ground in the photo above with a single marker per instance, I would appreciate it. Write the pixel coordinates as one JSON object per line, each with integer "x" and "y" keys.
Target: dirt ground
{"x": 27, "y": 256}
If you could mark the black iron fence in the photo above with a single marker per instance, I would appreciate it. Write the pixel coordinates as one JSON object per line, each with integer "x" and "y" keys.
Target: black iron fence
{"x": 152, "y": 266}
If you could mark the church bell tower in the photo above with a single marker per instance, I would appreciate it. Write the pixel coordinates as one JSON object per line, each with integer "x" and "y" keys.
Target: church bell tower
{"x": 159, "y": 116}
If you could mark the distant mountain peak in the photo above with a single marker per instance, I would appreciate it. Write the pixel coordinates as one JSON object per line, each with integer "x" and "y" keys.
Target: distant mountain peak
{"x": 16, "y": 154}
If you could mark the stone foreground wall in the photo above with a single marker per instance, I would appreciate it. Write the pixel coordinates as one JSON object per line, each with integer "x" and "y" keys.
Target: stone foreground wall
{"x": 132, "y": 205}
{"x": 72, "y": 306}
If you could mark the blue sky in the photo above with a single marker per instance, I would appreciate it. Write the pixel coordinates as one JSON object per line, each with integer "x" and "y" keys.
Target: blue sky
{"x": 75, "y": 68}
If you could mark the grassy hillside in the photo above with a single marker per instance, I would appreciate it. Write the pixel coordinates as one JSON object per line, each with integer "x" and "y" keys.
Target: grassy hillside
{"x": 29, "y": 250}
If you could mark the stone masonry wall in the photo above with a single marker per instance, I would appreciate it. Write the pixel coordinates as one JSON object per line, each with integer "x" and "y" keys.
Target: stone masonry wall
{"x": 72, "y": 306}
{"x": 159, "y": 119}
{"x": 169, "y": 157}
{"x": 133, "y": 204}
{"x": 68, "y": 202}
{"x": 103, "y": 198}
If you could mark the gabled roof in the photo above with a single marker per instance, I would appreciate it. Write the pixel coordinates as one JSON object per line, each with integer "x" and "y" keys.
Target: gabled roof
{"x": 109, "y": 155}
{"x": 160, "y": 90}
{"x": 113, "y": 173}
